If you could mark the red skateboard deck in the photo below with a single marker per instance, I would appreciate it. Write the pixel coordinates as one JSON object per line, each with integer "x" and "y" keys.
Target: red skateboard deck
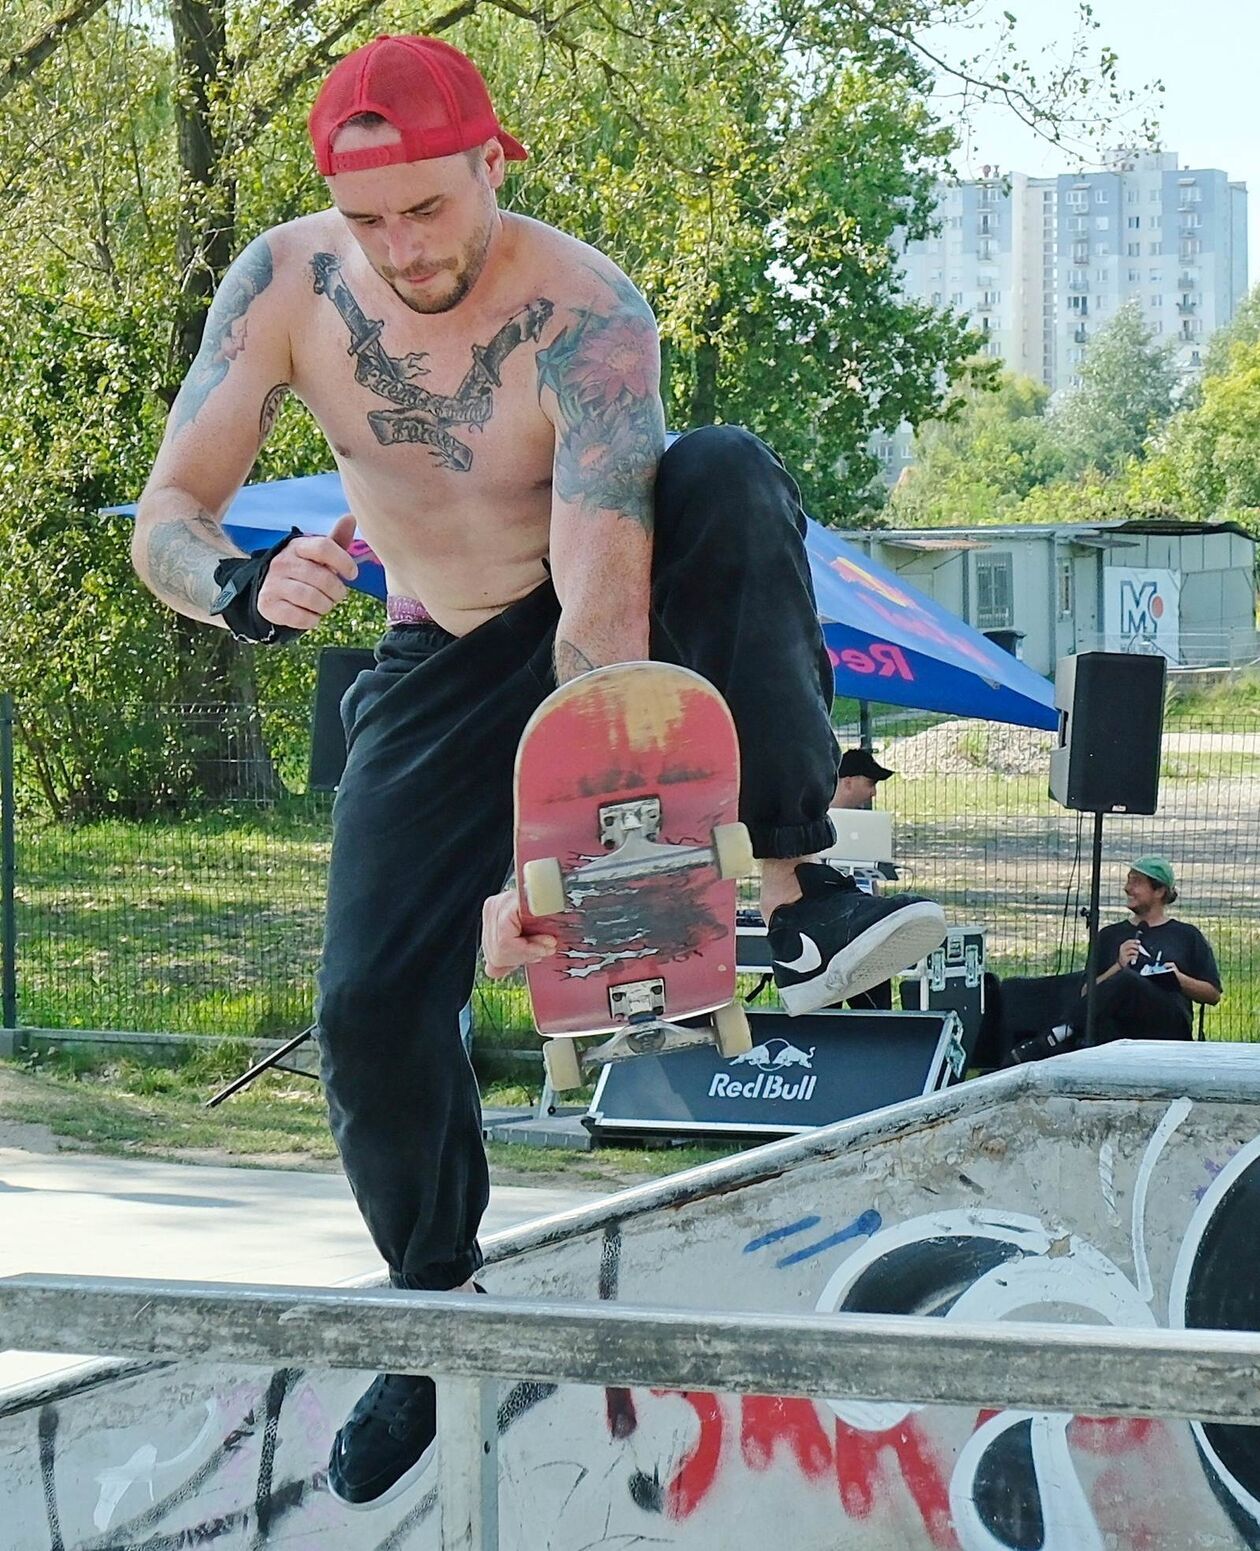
{"x": 628, "y": 848}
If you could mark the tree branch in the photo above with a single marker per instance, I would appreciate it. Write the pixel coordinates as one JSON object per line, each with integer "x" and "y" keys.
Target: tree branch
{"x": 32, "y": 54}
{"x": 321, "y": 56}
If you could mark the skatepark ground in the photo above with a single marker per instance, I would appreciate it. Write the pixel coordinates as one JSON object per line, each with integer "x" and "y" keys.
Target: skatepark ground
{"x": 83, "y": 1214}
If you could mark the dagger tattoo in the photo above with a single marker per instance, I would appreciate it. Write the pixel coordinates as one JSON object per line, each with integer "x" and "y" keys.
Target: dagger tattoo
{"x": 422, "y": 416}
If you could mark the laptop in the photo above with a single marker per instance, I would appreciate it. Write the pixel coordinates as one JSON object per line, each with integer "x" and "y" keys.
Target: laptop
{"x": 862, "y": 835}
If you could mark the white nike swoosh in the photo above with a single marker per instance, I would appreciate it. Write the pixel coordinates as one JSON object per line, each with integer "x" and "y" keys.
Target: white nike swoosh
{"x": 809, "y": 960}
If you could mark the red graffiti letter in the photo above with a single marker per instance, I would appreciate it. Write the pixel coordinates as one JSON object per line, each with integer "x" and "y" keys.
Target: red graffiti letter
{"x": 769, "y": 1420}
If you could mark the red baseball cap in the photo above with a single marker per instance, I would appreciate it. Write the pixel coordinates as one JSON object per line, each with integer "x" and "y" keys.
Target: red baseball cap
{"x": 432, "y": 94}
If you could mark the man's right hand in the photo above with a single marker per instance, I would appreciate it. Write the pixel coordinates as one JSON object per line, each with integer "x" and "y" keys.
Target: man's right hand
{"x": 308, "y": 577}
{"x": 1130, "y": 952}
{"x": 504, "y": 945}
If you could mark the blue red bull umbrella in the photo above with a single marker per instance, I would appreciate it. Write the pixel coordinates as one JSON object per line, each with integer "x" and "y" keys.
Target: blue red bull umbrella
{"x": 888, "y": 642}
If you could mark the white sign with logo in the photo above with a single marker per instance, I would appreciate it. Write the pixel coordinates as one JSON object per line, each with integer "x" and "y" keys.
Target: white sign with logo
{"x": 1142, "y": 611}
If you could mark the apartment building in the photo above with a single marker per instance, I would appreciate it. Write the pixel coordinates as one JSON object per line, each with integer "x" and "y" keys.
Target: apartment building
{"x": 1040, "y": 264}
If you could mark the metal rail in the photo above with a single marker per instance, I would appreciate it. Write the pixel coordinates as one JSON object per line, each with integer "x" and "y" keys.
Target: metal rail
{"x": 471, "y": 1344}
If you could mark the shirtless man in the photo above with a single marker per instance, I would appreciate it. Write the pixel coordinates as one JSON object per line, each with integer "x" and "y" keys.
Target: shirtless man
{"x": 489, "y": 389}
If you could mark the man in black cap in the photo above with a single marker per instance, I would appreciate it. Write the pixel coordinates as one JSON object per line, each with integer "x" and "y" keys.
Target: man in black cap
{"x": 859, "y": 774}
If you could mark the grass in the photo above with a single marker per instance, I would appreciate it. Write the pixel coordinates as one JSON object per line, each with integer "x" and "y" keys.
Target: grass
{"x": 1234, "y": 701}
{"x": 211, "y": 924}
{"x": 133, "y": 1108}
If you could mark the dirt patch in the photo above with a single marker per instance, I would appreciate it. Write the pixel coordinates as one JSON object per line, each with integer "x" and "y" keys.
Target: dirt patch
{"x": 27, "y": 1135}
{"x": 962, "y": 748}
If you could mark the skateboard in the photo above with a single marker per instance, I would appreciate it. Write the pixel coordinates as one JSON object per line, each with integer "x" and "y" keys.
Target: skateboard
{"x": 627, "y": 851}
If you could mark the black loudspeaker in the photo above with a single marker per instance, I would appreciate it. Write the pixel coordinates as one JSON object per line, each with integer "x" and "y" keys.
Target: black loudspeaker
{"x": 1111, "y": 716}
{"x": 338, "y": 668}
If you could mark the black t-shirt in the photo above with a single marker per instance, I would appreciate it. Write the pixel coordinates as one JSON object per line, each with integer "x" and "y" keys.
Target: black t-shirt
{"x": 1172, "y": 942}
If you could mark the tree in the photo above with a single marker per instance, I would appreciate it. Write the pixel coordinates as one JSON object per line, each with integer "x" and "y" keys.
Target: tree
{"x": 1127, "y": 389}
{"x": 978, "y": 466}
{"x": 1207, "y": 463}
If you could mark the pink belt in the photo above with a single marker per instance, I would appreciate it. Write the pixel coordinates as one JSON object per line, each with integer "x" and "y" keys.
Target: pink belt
{"x": 406, "y": 611}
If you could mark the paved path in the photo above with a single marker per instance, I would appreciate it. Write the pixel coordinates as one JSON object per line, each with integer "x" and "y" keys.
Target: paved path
{"x": 78, "y": 1214}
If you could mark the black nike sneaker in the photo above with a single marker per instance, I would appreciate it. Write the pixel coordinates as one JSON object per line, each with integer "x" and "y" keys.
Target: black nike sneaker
{"x": 836, "y": 942}
{"x": 387, "y": 1442}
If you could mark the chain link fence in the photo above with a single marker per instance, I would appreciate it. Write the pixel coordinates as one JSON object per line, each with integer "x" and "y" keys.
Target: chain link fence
{"x": 194, "y": 906}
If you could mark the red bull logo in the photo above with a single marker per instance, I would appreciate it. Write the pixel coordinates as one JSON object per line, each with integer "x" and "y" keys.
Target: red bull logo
{"x": 768, "y": 1084}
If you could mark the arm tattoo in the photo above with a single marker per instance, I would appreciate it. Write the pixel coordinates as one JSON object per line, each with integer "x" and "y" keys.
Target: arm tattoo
{"x": 224, "y": 336}
{"x": 183, "y": 553}
{"x": 270, "y": 409}
{"x": 611, "y": 430}
{"x": 570, "y": 660}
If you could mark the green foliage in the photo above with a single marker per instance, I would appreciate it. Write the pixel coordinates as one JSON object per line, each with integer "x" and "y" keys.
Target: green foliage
{"x": 977, "y": 466}
{"x": 1009, "y": 456}
{"x": 1207, "y": 465}
{"x": 1126, "y": 393}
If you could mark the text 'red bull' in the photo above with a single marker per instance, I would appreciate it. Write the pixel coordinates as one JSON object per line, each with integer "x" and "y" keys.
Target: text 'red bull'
{"x": 881, "y": 659}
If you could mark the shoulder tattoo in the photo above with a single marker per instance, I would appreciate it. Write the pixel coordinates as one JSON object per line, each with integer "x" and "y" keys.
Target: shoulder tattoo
{"x": 226, "y": 325}
{"x": 604, "y": 371}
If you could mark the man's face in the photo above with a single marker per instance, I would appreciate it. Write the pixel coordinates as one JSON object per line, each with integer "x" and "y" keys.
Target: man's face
{"x": 853, "y": 791}
{"x": 1142, "y": 894}
{"x": 425, "y": 227}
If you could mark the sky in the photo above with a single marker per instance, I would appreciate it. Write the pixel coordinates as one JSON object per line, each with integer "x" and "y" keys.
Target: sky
{"x": 1205, "y": 53}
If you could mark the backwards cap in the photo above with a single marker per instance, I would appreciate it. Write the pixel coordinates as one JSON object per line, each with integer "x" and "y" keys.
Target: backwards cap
{"x": 432, "y": 94}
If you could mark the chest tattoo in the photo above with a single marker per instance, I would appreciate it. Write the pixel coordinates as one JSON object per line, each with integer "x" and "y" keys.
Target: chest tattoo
{"x": 422, "y": 416}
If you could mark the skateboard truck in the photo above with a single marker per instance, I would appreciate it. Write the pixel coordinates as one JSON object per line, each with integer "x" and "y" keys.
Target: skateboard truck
{"x": 635, "y": 1000}
{"x": 619, "y": 820}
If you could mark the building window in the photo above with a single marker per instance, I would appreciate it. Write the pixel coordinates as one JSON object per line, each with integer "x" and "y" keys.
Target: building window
{"x": 1134, "y": 277}
{"x": 1153, "y": 196}
{"x": 1134, "y": 222}
{"x": 955, "y": 299}
{"x": 1133, "y": 250}
{"x": 1102, "y": 223}
{"x": 1100, "y": 196}
{"x": 994, "y": 602}
{"x": 1077, "y": 198}
{"x": 1078, "y": 223}
{"x": 1157, "y": 301}
{"x": 1065, "y": 588}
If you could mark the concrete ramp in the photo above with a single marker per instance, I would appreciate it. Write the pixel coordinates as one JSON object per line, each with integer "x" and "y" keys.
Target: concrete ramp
{"x": 1116, "y": 1188}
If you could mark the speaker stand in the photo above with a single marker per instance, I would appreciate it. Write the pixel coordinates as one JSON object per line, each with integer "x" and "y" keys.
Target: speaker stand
{"x": 1091, "y": 986}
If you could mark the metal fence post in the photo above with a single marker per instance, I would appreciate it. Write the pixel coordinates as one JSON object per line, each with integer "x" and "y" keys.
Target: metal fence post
{"x": 8, "y": 871}
{"x": 468, "y": 1463}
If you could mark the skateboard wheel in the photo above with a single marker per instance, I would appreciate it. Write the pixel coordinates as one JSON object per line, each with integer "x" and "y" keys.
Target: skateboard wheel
{"x": 730, "y": 1024}
{"x": 543, "y": 883}
{"x": 564, "y": 1070}
{"x": 732, "y": 848}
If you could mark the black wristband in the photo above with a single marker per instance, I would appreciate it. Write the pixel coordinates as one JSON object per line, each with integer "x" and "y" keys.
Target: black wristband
{"x": 239, "y": 581}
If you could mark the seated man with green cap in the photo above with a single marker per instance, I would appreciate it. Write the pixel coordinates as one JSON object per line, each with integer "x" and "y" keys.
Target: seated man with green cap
{"x": 1152, "y": 968}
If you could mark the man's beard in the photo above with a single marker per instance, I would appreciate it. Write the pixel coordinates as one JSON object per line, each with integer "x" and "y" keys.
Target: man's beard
{"x": 464, "y": 276}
